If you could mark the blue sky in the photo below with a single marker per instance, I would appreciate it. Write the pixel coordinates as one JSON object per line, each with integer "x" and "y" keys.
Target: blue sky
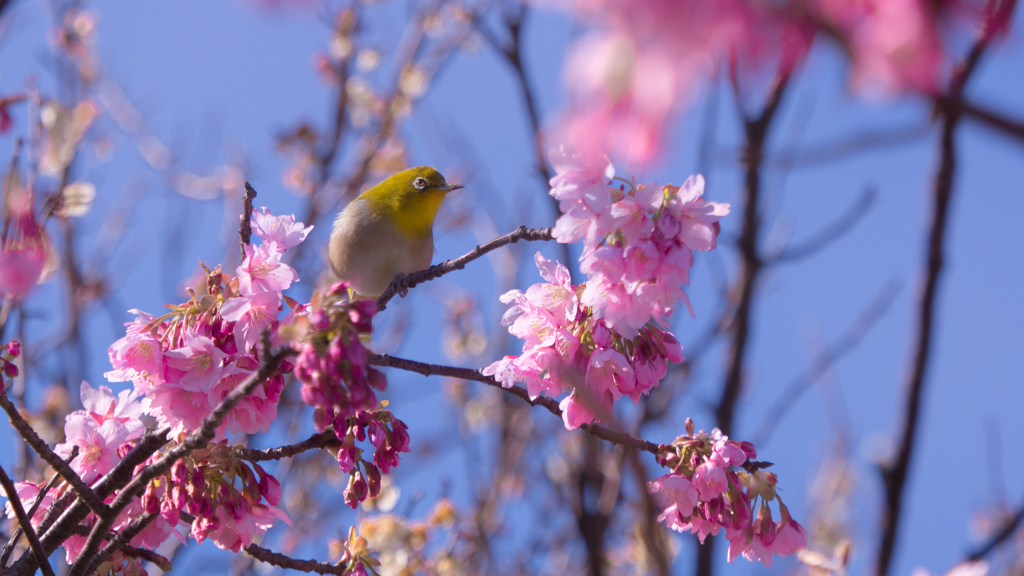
{"x": 218, "y": 79}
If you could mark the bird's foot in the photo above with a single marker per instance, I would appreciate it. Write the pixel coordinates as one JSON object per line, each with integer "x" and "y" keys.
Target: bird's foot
{"x": 402, "y": 290}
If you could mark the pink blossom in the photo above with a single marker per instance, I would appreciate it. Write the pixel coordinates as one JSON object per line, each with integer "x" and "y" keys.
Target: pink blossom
{"x": 283, "y": 231}
{"x": 97, "y": 444}
{"x": 609, "y": 374}
{"x": 101, "y": 405}
{"x": 27, "y": 493}
{"x": 263, "y": 271}
{"x": 577, "y": 412}
{"x": 138, "y": 356}
{"x": 697, "y": 218}
{"x": 790, "y": 537}
{"x": 581, "y": 178}
{"x": 709, "y": 478}
{"x": 728, "y": 454}
{"x": 235, "y": 530}
{"x": 200, "y": 361}
{"x": 673, "y": 494}
{"x": 557, "y": 297}
{"x": 252, "y": 315}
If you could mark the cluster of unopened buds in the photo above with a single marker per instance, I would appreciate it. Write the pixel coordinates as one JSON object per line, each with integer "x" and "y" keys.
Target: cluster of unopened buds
{"x": 203, "y": 486}
{"x": 8, "y": 352}
{"x": 388, "y": 435}
{"x": 608, "y": 337}
{"x": 336, "y": 379}
{"x": 716, "y": 484}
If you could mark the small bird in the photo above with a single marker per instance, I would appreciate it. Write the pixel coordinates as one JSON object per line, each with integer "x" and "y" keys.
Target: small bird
{"x": 388, "y": 230}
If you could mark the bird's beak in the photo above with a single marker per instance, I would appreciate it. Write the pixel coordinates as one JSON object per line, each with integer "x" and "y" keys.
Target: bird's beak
{"x": 450, "y": 187}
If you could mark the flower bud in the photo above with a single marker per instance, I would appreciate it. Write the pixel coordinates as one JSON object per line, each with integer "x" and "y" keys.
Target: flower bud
{"x": 179, "y": 472}
{"x": 14, "y": 348}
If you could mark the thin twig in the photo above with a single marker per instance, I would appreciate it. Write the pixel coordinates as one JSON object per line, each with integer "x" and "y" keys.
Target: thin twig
{"x": 94, "y": 502}
{"x": 276, "y": 559}
{"x": 245, "y": 228}
{"x": 550, "y": 404}
{"x": 25, "y": 523}
{"x": 1008, "y": 126}
{"x": 828, "y": 357}
{"x": 830, "y": 233}
{"x": 123, "y": 537}
{"x": 314, "y": 442}
{"x": 997, "y": 539}
{"x": 402, "y": 284}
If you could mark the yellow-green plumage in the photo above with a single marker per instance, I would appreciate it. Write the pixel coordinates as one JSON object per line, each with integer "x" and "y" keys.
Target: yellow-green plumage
{"x": 388, "y": 230}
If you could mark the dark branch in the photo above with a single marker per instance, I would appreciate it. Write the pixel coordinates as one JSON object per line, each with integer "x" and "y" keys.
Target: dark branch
{"x": 276, "y": 559}
{"x": 9, "y": 547}
{"x": 245, "y": 228}
{"x": 25, "y": 523}
{"x": 121, "y": 540}
{"x": 94, "y": 502}
{"x": 550, "y": 404}
{"x": 895, "y": 474}
{"x": 1000, "y": 537}
{"x": 402, "y": 284}
{"x": 1008, "y": 126}
{"x": 314, "y": 442}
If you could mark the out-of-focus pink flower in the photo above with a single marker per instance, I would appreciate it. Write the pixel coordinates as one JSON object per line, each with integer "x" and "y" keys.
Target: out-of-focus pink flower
{"x": 27, "y": 493}
{"x": 283, "y": 231}
{"x": 22, "y": 248}
{"x": 581, "y": 178}
{"x": 263, "y": 271}
{"x": 251, "y": 314}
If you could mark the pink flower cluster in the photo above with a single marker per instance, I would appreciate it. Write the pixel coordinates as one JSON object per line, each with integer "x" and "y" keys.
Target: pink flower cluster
{"x": 336, "y": 380}
{"x": 187, "y": 361}
{"x": 608, "y": 337}
{"x": 717, "y": 485}
{"x": 23, "y": 248}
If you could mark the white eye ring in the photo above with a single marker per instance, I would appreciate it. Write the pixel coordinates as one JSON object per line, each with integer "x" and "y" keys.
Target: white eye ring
{"x": 419, "y": 183}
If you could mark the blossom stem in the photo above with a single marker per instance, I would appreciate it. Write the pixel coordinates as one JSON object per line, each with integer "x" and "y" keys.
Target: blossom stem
{"x": 403, "y": 283}
{"x": 607, "y": 434}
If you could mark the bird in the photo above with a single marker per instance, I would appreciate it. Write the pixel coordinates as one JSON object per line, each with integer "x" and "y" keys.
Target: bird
{"x": 388, "y": 230}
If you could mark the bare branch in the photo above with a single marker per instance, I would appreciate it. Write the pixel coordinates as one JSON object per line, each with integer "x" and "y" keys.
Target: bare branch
{"x": 1008, "y": 126}
{"x": 834, "y": 231}
{"x": 402, "y": 284}
{"x": 123, "y": 537}
{"x": 612, "y": 436}
{"x": 828, "y": 357}
{"x": 245, "y": 228}
{"x": 25, "y": 523}
{"x": 999, "y": 538}
{"x": 895, "y": 474}
{"x": 276, "y": 559}
{"x": 314, "y": 442}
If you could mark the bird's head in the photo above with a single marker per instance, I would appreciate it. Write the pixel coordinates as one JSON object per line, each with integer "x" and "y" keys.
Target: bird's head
{"x": 411, "y": 198}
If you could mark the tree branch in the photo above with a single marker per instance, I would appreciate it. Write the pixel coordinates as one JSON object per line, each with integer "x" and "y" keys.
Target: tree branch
{"x": 276, "y": 559}
{"x": 550, "y": 404}
{"x": 403, "y": 284}
{"x": 94, "y": 502}
{"x": 123, "y": 537}
{"x": 895, "y": 474}
{"x": 314, "y": 442}
{"x": 245, "y": 228}
{"x": 40, "y": 496}
{"x": 25, "y": 523}
{"x": 997, "y": 539}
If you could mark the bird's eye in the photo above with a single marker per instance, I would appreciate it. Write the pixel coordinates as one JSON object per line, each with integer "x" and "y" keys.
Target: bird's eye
{"x": 419, "y": 183}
